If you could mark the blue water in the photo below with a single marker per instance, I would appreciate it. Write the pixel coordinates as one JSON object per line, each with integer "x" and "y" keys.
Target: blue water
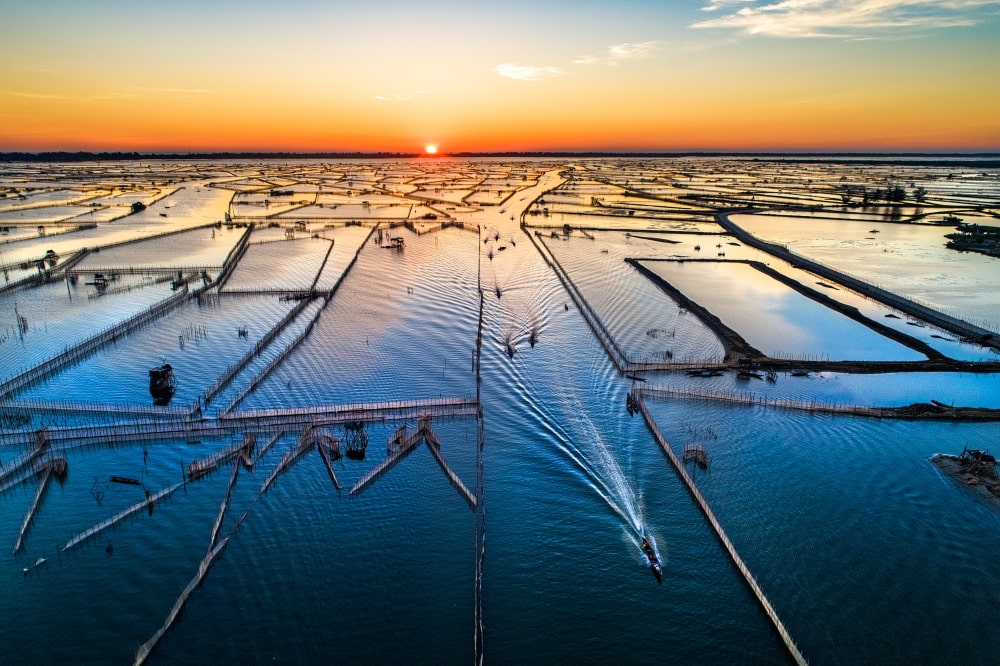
{"x": 867, "y": 552}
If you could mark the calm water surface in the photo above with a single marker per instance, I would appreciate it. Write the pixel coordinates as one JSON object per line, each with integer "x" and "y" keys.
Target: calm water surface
{"x": 868, "y": 553}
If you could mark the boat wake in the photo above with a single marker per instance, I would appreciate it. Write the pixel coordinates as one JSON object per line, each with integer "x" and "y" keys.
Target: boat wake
{"x": 591, "y": 454}
{"x": 565, "y": 417}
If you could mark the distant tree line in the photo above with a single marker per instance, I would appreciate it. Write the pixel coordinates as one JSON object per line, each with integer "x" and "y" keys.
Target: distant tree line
{"x": 979, "y": 160}
{"x": 83, "y": 156}
{"x": 891, "y": 193}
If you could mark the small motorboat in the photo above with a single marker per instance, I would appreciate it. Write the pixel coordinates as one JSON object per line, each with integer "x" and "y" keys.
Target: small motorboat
{"x": 654, "y": 561}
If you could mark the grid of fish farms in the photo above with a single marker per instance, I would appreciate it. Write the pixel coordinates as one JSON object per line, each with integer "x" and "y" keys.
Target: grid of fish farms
{"x": 239, "y": 315}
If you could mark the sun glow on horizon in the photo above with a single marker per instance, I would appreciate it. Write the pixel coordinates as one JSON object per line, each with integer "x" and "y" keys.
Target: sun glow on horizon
{"x": 753, "y": 76}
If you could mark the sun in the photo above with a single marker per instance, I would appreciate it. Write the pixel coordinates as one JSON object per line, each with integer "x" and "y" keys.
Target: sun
{"x": 431, "y": 149}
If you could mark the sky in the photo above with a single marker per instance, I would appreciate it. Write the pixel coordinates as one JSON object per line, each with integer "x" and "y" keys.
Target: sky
{"x": 518, "y": 75}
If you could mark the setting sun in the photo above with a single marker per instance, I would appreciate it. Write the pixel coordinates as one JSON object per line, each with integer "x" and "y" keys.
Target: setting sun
{"x": 431, "y": 148}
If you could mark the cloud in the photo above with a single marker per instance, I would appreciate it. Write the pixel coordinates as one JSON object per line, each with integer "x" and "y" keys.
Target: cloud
{"x": 618, "y": 52}
{"x": 110, "y": 96}
{"x": 842, "y": 18}
{"x": 31, "y": 67}
{"x": 30, "y": 95}
{"x": 720, "y": 4}
{"x": 527, "y": 72}
{"x": 105, "y": 96}
{"x": 182, "y": 91}
{"x": 401, "y": 97}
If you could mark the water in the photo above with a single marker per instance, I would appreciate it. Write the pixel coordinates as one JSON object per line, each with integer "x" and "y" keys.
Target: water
{"x": 908, "y": 259}
{"x": 868, "y": 553}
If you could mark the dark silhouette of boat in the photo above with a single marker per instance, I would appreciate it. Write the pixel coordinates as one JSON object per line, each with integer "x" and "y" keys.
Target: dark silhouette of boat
{"x": 162, "y": 384}
{"x": 654, "y": 561}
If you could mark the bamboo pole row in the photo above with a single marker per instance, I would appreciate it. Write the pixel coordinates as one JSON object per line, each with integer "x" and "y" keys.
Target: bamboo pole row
{"x": 699, "y": 499}
{"x": 122, "y": 515}
{"x": 90, "y": 345}
{"x": 29, "y": 516}
{"x": 143, "y": 652}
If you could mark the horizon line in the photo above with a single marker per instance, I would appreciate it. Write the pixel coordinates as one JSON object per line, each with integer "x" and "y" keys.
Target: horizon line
{"x": 85, "y": 155}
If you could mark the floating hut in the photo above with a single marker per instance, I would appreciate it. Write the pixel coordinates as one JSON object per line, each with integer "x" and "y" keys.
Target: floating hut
{"x": 355, "y": 440}
{"x": 162, "y": 384}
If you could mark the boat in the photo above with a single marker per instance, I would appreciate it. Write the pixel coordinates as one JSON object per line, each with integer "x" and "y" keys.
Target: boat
{"x": 654, "y": 561}
{"x": 162, "y": 384}
{"x": 127, "y": 480}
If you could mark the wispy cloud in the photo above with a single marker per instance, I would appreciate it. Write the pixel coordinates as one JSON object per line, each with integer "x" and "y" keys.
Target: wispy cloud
{"x": 401, "y": 97}
{"x": 527, "y": 72}
{"x": 29, "y": 67}
{"x": 842, "y": 18}
{"x": 109, "y": 96}
{"x": 112, "y": 95}
{"x": 180, "y": 91}
{"x": 619, "y": 52}
{"x": 721, "y": 4}
{"x": 31, "y": 95}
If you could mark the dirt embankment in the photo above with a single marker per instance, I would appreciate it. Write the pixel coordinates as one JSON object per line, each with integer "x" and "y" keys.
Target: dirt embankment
{"x": 954, "y": 325}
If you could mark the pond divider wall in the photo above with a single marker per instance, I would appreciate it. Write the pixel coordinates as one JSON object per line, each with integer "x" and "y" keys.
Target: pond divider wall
{"x": 479, "y": 627}
{"x": 231, "y": 372}
{"x": 30, "y": 515}
{"x": 150, "y": 500}
{"x": 329, "y": 464}
{"x": 947, "y": 322}
{"x": 404, "y": 447}
{"x": 234, "y": 257}
{"x": 15, "y": 407}
{"x": 611, "y": 347}
{"x": 143, "y": 652}
{"x": 349, "y": 266}
{"x": 755, "y": 399}
{"x": 326, "y": 258}
{"x": 732, "y": 342}
{"x": 145, "y": 270}
{"x": 17, "y": 464}
{"x": 388, "y": 410}
{"x": 751, "y": 582}
{"x": 434, "y": 444}
{"x": 264, "y": 449}
{"x": 302, "y": 447}
{"x": 224, "y": 425}
{"x": 41, "y": 277}
{"x": 273, "y": 363}
{"x": 217, "y": 527}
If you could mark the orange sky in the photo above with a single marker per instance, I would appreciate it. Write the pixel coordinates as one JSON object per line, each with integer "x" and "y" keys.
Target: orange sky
{"x": 827, "y": 75}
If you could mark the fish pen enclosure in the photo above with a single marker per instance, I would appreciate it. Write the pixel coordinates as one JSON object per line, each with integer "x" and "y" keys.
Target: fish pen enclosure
{"x": 201, "y": 339}
{"x": 91, "y": 345}
{"x": 355, "y": 440}
{"x": 695, "y": 453}
{"x": 340, "y": 302}
{"x": 280, "y": 266}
